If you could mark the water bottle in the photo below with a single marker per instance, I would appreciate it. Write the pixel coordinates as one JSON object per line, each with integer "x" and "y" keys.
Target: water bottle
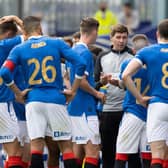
{"x": 103, "y": 89}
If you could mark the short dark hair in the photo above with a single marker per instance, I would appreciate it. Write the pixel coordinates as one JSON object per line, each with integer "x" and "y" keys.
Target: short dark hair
{"x": 128, "y": 5}
{"x": 139, "y": 37}
{"x": 76, "y": 35}
{"x": 31, "y": 24}
{"x": 68, "y": 40}
{"x": 163, "y": 28}
{"x": 88, "y": 24}
{"x": 119, "y": 28}
{"x": 8, "y": 26}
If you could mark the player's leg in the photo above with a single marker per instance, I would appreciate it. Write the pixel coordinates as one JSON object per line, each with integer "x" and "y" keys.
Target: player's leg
{"x": 145, "y": 150}
{"x": 23, "y": 134}
{"x": 9, "y": 132}
{"x": 128, "y": 141}
{"x": 92, "y": 144}
{"x": 165, "y": 163}
{"x": 24, "y": 143}
{"x": 36, "y": 111}
{"x": 157, "y": 128}
{"x": 158, "y": 153}
{"x": 121, "y": 157}
{"x": 13, "y": 153}
{"x": 78, "y": 138}
{"x": 37, "y": 146}
{"x": 53, "y": 152}
{"x": 92, "y": 155}
{"x": 60, "y": 124}
{"x": 68, "y": 154}
{"x": 79, "y": 154}
{"x": 26, "y": 155}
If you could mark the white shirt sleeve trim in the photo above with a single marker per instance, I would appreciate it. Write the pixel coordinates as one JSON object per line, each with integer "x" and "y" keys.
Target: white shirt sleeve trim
{"x": 138, "y": 60}
{"x": 86, "y": 73}
{"x": 78, "y": 77}
{"x": 22, "y": 38}
{"x": 9, "y": 84}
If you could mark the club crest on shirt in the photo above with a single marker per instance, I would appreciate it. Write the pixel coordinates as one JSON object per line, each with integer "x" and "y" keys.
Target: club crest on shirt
{"x": 38, "y": 45}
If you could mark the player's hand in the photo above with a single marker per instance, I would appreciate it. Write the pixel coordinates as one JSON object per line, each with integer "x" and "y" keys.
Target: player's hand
{"x": 11, "y": 18}
{"x": 144, "y": 100}
{"x": 114, "y": 81}
{"x": 69, "y": 94}
{"x": 101, "y": 96}
{"x": 104, "y": 78}
{"x": 21, "y": 97}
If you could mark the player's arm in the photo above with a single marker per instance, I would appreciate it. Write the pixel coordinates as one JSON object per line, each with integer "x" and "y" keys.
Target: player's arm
{"x": 6, "y": 72}
{"x": 129, "y": 71}
{"x": 118, "y": 81}
{"x": 84, "y": 85}
{"x": 80, "y": 66}
{"x": 72, "y": 57}
{"x": 13, "y": 18}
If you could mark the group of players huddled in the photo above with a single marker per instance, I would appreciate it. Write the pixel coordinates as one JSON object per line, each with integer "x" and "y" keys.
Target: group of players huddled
{"x": 37, "y": 109}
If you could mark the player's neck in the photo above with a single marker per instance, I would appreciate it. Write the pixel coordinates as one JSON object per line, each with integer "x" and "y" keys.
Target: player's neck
{"x": 162, "y": 40}
{"x": 2, "y": 36}
{"x": 35, "y": 34}
{"x": 83, "y": 40}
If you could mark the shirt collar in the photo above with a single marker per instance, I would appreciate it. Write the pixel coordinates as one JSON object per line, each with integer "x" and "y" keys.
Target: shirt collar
{"x": 162, "y": 42}
{"x": 82, "y": 43}
{"x": 34, "y": 37}
{"x": 126, "y": 49}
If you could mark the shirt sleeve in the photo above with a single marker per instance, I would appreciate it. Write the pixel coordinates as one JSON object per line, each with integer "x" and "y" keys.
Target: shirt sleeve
{"x": 8, "y": 67}
{"x": 88, "y": 58}
{"x": 11, "y": 42}
{"x": 14, "y": 55}
{"x": 71, "y": 56}
{"x": 6, "y": 46}
{"x": 141, "y": 56}
{"x": 123, "y": 66}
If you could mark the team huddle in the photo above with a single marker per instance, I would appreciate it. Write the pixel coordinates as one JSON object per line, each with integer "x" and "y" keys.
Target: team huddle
{"x": 38, "y": 110}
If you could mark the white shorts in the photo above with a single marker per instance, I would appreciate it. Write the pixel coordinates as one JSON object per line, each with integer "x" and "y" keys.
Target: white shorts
{"x": 157, "y": 122}
{"x": 132, "y": 135}
{"x": 85, "y": 129}
{"x": 23, "y": 133}
{"x": 9, "y": 129}
{"x": 48, "y": 117}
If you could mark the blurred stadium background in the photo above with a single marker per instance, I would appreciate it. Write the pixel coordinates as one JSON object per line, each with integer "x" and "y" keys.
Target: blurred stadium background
{"x": 62, "y": 17}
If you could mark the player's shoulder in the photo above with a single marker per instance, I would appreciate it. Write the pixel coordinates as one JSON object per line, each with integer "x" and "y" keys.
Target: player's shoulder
{"x": 80, "y": 47}
{"x": 82, "y": 50}
{"x": 148, "y": 49}
{"x": 125, "y": 63}
{"x": 9, "y": 41}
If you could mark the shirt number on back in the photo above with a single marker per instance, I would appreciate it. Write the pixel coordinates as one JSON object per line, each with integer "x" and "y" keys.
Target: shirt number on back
{"x": 138, "y": 82}
{"x": 165, "y": 72}
{"x": 44, "y": 69}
